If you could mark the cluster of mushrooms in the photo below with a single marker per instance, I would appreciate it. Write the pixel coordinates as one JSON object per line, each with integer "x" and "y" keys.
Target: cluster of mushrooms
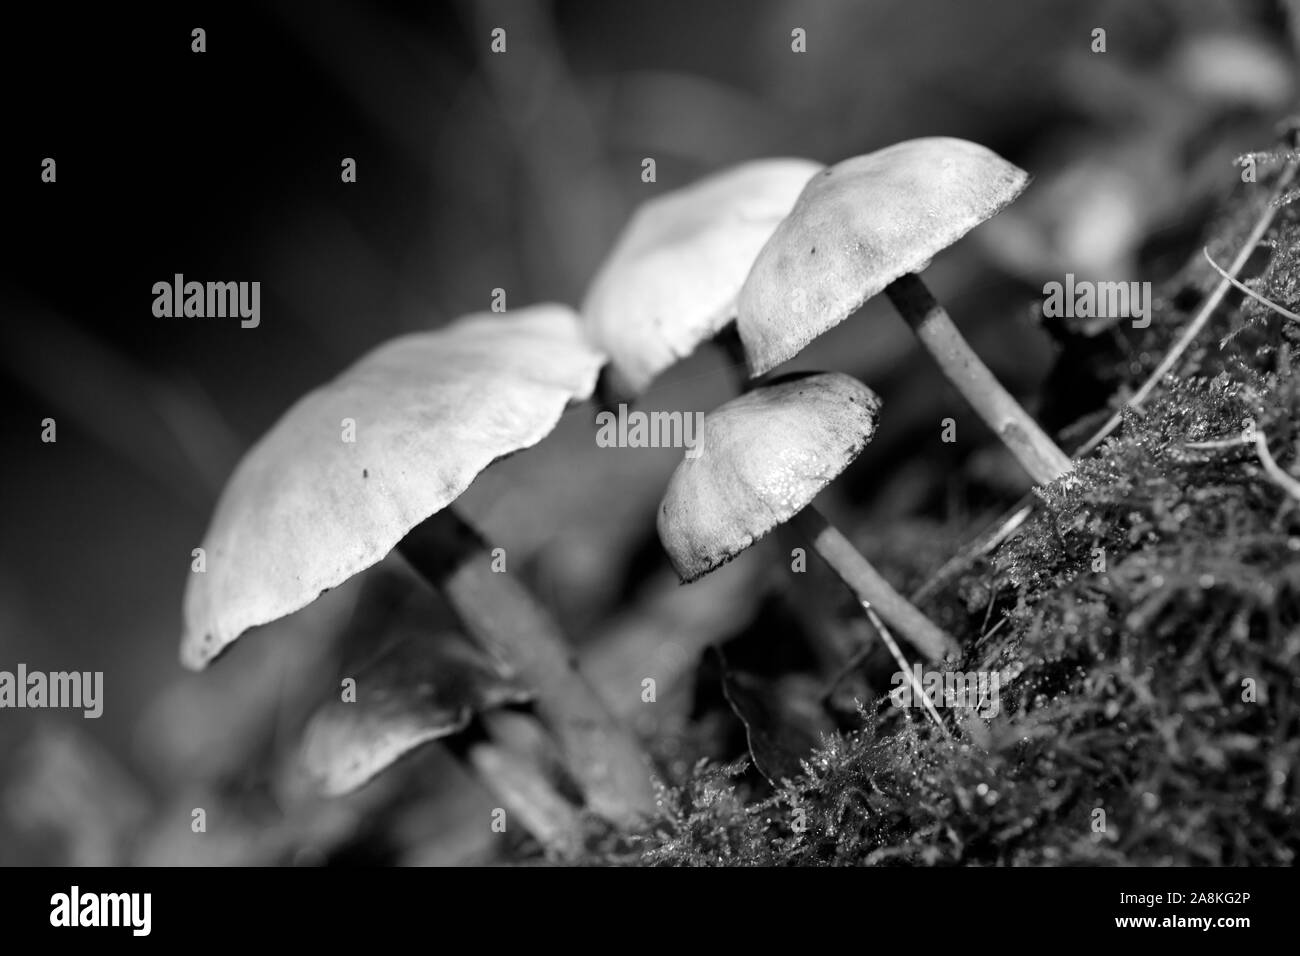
{"x": 765, "y": 257}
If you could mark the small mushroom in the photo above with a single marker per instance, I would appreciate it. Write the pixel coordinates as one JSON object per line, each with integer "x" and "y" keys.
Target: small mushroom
{"x": 374, "y": 459}
{"x": 870, "y": 224}
{"x": 671, "y": 280}
{"x": 765, "y": 456}
{"x": 417, "y": 689}
{"x": 423, "y": 689}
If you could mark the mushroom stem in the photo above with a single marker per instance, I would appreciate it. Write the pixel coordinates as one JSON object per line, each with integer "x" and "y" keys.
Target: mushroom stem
{"x": 1035, "y": 451}
{"x": 604, "y": 757}
{"x": 519, "y": 783}
{"x": 868, "y": 586}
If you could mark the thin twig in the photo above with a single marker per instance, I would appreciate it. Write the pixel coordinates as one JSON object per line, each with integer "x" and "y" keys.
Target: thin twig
{"x": 1287, "y": 483}
{"x": 996, "y": 627}
{"x": 906, "y": 668}
{"x": 1237, "y": 284}
{"x": 1214, "y": 445}
{"x": 1260, "y": 444}
{"x": 984, "y": 544}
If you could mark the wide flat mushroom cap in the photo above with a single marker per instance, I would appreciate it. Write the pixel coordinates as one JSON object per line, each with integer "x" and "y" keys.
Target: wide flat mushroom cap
{"x": 671, "y": 280}
{"x": 857, "y": 227}
{"x": 763, "y": 458}
{"x": 305, "y": 510}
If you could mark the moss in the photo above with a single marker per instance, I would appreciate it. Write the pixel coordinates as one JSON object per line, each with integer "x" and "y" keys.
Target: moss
{"x": 1150, "y": 637}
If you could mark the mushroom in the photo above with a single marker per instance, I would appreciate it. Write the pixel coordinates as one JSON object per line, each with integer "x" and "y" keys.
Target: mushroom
{"x": 764, "y": 458}
{"x": 416, "y": 689}
{"x": 870, "y": 224}
{"x": 671, "y": 280}
{"x": 373, "y": 460}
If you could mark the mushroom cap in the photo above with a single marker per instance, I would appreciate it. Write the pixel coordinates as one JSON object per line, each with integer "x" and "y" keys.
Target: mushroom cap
{"x": 305, "y": 510}
{"x": 671, "y": 280}
{"x": 762, "y": 459}
{"x": 423, "y": 688}
{"x": 857, "y": 227}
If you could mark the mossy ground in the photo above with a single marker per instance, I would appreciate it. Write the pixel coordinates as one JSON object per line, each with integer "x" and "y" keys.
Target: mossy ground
{"x": 1149, "y": 638}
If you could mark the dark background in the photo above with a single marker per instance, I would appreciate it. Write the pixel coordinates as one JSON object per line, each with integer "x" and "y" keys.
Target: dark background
{"x": 476, "y": 172}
